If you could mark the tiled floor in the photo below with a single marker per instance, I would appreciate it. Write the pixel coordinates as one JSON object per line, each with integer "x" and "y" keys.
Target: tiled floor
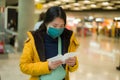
{"x": 98, "y": 58}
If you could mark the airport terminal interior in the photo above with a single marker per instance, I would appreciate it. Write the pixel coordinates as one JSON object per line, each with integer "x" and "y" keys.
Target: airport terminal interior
{"x": 96, "y": 24}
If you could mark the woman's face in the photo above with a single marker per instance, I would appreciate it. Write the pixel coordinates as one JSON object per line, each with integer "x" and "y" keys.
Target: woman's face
{"x": 57, "y": 23}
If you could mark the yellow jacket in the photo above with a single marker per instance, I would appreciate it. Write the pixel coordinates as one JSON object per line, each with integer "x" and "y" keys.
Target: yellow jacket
{"x": 31, "y": 64}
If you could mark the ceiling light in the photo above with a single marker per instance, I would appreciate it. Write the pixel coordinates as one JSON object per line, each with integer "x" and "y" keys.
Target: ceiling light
{"x": 68, "y": 1}
{"x": 93, "y": 6}
{"x": 37, "y": 0}
{"x": 76, "y": 4}
{"x": 57, "y": 2}
{"x": 109, "y": 8}
{"x": 100, "y": 0}
{"x": 105, "y": 3}
{"x": 75, "y": 8}
{"x": 87, "y": 2}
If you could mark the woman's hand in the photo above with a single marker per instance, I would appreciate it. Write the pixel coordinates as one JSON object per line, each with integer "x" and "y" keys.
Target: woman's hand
{"x": 71, "y": 61}
{"x": 54, "y": 64}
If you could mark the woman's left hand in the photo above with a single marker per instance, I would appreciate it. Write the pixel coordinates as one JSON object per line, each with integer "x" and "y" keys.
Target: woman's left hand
{"x": 71, "y": 61}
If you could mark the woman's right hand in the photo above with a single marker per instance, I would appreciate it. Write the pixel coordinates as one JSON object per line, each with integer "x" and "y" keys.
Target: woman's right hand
{"x": 54, "y": 64}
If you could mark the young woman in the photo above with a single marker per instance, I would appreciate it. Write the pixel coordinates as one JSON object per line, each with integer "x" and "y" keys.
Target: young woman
{"x": 50, "y": 39}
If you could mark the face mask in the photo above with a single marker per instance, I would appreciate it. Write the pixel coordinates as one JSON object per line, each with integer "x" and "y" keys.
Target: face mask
{"x": 54, "y": 32}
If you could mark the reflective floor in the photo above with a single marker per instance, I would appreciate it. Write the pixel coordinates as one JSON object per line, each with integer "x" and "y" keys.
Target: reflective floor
{"x": 98, "y": 58}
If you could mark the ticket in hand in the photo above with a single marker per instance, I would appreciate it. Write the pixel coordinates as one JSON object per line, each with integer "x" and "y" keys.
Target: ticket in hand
{"x": 62, "y": 57}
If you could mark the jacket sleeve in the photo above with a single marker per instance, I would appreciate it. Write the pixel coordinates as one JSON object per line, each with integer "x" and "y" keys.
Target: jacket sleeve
{"x": 72, "y": 48}
{"x": 71, "y": 69}
{"x": 27, "y": 63}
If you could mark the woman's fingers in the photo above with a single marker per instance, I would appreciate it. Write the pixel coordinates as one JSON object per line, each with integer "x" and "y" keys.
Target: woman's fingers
{"x": 71, "y": 61}
{"x": 54, "y": 64}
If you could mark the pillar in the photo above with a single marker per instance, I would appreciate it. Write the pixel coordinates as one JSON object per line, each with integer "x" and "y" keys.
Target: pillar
{"x": 25, "y": 20}
{"x": 2, "y": 3}
{"x": 2, "y": 6}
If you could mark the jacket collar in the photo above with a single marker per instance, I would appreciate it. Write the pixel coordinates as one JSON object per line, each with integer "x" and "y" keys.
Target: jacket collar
{"x": 39, "y": 41}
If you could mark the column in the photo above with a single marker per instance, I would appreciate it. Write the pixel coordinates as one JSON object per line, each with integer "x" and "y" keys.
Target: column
{"x": 25, "y": 20}
{"x": 2, "y": 6}
{"x": 2, "y": 3}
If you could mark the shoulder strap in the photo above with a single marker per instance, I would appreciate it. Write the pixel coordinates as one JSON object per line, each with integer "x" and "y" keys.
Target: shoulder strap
{"x": 59, "y": 46}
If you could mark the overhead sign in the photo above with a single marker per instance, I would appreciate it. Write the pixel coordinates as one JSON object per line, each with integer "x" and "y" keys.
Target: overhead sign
{"x": 39, "y": 6}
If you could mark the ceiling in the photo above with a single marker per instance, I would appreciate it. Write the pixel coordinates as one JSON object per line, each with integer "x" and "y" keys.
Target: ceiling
{"x": 76, "y": 5}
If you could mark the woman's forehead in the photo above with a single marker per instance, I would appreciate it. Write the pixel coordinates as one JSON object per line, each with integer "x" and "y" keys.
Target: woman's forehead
{"x": 58, "y": 21}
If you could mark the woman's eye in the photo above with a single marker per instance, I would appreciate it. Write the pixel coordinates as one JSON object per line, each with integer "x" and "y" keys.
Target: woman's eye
{"x": 62, "y": 26}
{"x": 55, "y": 26}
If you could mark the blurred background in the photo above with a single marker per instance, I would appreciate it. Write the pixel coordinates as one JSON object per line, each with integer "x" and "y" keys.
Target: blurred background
{"x": 96, "y": 24}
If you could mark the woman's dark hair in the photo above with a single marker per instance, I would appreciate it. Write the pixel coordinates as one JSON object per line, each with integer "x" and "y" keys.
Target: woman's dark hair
{"x": 41, "y": 16}
{"x": 54, "y": 12}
